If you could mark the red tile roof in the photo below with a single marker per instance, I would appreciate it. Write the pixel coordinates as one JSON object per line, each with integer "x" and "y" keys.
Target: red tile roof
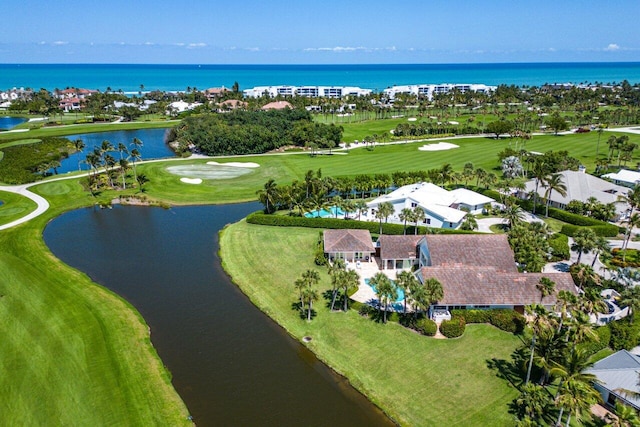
{"x": 398, "y": 247}
{"x": 277, "y": 105}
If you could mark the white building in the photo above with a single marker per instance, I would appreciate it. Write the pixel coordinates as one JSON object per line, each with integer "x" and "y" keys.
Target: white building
{"x": 442, "y": 208}
{"x": 307, "y": 91}
{"x": 624, "y": 177}
{"x": 429, "y": 90}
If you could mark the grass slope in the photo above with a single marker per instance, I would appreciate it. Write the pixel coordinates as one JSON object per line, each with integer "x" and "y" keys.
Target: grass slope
{"x": 72, "y": 352}
{"x": 416, "y": 380}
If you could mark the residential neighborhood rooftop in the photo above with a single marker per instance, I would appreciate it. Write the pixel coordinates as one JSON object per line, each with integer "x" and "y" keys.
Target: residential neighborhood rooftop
{"x": 348, "y": 240}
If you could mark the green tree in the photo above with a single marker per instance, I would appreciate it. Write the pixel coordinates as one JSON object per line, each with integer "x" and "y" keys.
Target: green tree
{"x": 406, "y": 281}
{"x": 406, "y": 214}
{"x": 557, "y": 123}
{"x": 385, "y": 209}
{"x": 267, "y": 195}
{"x": 385, "y": 290}
{"x": 418, "y": 215}
{"x": 584, "y": 241}
{"x": 554, "y": 183}
{"x": 500, "y": 127}
{"x": 546, "y": 287}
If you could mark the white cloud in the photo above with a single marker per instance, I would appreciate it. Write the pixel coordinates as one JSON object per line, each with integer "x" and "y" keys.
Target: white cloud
{"x": 612, "y": 47}
{"x": 59, "y": 43}
{"x": 196, "y": 45}
{"x": 252, "y": 49}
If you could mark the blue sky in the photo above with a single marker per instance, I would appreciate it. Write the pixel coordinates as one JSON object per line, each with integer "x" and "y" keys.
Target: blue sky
{"x": 318, "y": 32}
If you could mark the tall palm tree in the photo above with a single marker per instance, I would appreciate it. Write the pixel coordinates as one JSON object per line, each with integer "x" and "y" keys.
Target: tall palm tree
{"x": 632, "y": 221}
{"x": 513, "y": 213}
{"x": 385, "y": 209}
{"x": 309, "y": 294}
{"x": 565, "y": 304}
{"x": 336, "y": 268}
{"x": 418, "y": 215}
{"x": 361, "y": 207}
{"x": 433, "y": 290}
{"x": 385, "y": 290}
{"x": 480, "y": 174}
{"x": 630, "y": 297}
{"x": 601, "y": 246}
{"x": 124, "y": 166}
{"x": 584, "y": 241}
{"x": 539, "y": 174}
{"x": 406, "y": 281}
{"x": 406, "y": 214}
{"x": 533, "y": 402}
{"x": 350, "y": 280}
{"x": 267, "y": 195}
{"x": 134, "y": 155}
{"x": 539, "y": 323}
{"x": 625, "y": 416}
{"x": 79, "y": 146}
{"x": 554, "y": 183}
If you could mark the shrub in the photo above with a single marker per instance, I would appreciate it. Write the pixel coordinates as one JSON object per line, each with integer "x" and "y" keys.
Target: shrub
{"x": 426, "y": 327}
{"x": 453, "y": 328}
{"x": 507, "y": 320}
{"x": 624, "y": 334}
{"x": 592, "y": 347}
{"x": 504, "y": 319}
{"x": 605, "y": 230}
{"x": 472, "y": 316}
{"x": 559, "y": 244}
{"x": 365, "y": 310}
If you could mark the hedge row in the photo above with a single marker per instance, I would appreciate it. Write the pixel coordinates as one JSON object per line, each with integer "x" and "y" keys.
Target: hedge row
{"x": 559, "y": 244}
{"x": 608, "y": 230}
{"x": 453, "y": 328}
{"x": 338, "y": 223}
{"x": 504, "y": 319}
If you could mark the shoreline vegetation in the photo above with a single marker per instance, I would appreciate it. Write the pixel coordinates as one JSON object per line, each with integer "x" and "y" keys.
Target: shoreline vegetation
{"x": 117, "y": 373}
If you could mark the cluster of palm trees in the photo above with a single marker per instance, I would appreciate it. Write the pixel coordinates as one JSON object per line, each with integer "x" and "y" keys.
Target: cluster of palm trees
{"x": 419, "y": 295}
{"x": 115, "y": 168}
{"x": 557, "y": 353}
{"x": 621, "y": 148}
{"x": 307, "y": 293}
{"x": 342, "y": 280}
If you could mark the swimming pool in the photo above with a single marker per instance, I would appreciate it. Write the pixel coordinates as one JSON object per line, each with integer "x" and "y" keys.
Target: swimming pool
{"x": 400, "y": 291}
{"x": 323, "y": 213}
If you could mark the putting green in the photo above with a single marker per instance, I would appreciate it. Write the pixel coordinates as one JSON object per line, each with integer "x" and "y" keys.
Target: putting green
{"x": 55, "y": 188}
{"x": 208, "y": 171}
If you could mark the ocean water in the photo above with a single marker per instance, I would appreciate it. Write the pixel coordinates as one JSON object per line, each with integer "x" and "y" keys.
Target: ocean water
{"x": 130, "y": 77}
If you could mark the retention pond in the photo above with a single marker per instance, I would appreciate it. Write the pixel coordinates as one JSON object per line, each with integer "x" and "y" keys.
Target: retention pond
{"x": 231, "y": 364}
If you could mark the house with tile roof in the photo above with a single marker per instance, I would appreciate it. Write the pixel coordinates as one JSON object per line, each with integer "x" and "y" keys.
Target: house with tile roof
{"x": 398, "y": 252}
{"x": 479, "y": 271}
{"x": 349, "y": 245}
{"x": 616, "y": 373}
{"x": 581, "y": 186}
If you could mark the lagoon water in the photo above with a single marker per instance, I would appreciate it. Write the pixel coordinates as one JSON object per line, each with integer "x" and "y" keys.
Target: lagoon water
{"x": 168, "y": 77}
{"x": 231, "y": 364}
{"x": 7, "y": 123}
{"x": 154, "y": 140}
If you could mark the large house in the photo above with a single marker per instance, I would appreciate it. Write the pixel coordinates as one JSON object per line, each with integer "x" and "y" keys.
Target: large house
{"x": 442, "y": 208}
{"x": 581, "y": 186}
{"x": 428, "y": 90}
{"x": 616, "y": 373}
{"x": 479, "y": 271}
{"x": 475, "y": 270}
{"x": 306, "y": 91}
{"x": 624, "y": 177}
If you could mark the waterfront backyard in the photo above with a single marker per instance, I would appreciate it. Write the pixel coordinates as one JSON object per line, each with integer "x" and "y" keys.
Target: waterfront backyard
{"x": 415, "y": 379}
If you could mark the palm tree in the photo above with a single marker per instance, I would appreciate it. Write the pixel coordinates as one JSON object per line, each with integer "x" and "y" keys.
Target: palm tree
{"x": 335, "y": 271}
{"x": 385, "y": 290}
{"x": 134, "y": 155}
{"x": 513, "y": 213}
{"x": 554, "y": 183}
{"x": 630, "y": 297}
{"x": 632, "y": 221}
{"x": 361, "y": 207}
{"x": 591, "y": 302}
{"x": 267, "y": 195}
{"x": 469, "y": 222}
{"x": 584, "y": 241}
{"x": 546, "y": 287}
{"x": 625, "y": 416}
{"x": 124, "y": 165}
{"x": 480, "y": 174}
{"x": 406, "y": 281}
{"x": 350, "y": 280}
{"x": 601, "y": 246}
{"x": 433, "y": 290}
{"x": 539, "y": 324}
{"x": 406, "y": 214}
{"x": 533, "y": 402}
{"x": 385, "y": 209}
{"x": 79, "y": 146}
{"x": 309, "y": 294}
{"x": 539, "y": 174}
{"x": 565, "y": 303}
{"x": 418, "y": 215}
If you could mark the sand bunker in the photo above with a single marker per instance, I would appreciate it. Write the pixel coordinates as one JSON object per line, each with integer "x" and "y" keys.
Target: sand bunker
{"x": 208, "y": 171}
{"x": 191, "y": 180}
{"x": 236, "y": 164}
{"x": 437, "y": 147}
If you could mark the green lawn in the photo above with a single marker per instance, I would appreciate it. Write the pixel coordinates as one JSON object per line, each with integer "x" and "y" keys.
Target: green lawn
{"x": 382, "y": 159}
{"x": 14, "y": 206}
{"x": 72, "y": 352}
{"x": 415, "y": 379}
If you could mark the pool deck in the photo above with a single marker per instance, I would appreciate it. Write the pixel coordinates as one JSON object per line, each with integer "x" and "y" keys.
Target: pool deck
{"x": 366, "y": 295}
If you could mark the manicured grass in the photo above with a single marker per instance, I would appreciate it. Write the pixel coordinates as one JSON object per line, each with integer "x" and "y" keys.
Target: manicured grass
{"x": 14, "y": 206}
{"x": 415, "y": 379}
{"x": 72, "y": 352}
{"x": 382, "y": 159}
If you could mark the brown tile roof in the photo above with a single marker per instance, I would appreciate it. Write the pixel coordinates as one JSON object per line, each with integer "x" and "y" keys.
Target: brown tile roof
{"x": 277, "y": 105}
{"x": 398, "y": 247}
{"x": 471, "y": 250}
{"x": 487, "y": 286}
{"x": 348, "y": 241}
